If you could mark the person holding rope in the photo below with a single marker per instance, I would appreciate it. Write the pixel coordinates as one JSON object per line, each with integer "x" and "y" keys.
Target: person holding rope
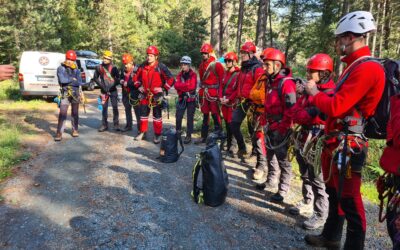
{"x": 320, "y": 69}
{"x": 130, "y": 94}
{"x": 356, "y": 96}
{"x": 279, "y": 101}
{"x": 227, "y": 95}
{"x": 152, "y": 79}
{"x": 186, "y": 83}
{"x": 69, "y": 78}
{"x": 106, "y": 77}
{"x": 211, "y": 73}
{"x": 251, "y": 69}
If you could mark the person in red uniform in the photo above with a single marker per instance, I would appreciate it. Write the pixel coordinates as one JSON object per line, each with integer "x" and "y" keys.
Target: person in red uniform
{"x": 390, "y": 162}
{"x": 251, "y": 69}
{"x": 186, "y": 83}
{"x": 227, "y": 95}
{"x": 279, "y": 101}
{"x": 357, "y": 94}
{"x": 152, "y": 79}
{"x": 211, "y": 73}
{"x": 319, "y": 69}
{"x": 129, "y": 92}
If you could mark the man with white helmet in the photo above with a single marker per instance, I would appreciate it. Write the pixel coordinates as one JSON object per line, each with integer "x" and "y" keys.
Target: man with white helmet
{"x": 185, "y": 85}
{"x": 356, "y": 96}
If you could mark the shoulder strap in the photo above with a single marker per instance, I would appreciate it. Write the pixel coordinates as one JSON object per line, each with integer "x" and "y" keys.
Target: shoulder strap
{"x": 106, "y": 72}
{"x": 182, "y": 147}
{"x": 211, "y": 66}
{"x": 229, "y": 82}
{"x": 350, "y": 69}
{"x": 280, "y": 85}
{"x": 195, "y": 176}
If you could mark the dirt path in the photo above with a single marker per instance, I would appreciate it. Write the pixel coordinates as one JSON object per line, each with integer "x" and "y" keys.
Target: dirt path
{"x": 105, "y": 191}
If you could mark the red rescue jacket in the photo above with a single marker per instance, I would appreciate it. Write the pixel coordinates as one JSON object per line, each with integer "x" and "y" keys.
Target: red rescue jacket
{"x": 151, "y": 77}
{"x": 390, "y": 160}
{"x": 250, "y": 71}
{"x": 278, "y": 108}
{"x": 186, "y": 83}
{"x": 361, "y": 91}
{"x": 210, "y": 76}
{"x": 229, "y": 90}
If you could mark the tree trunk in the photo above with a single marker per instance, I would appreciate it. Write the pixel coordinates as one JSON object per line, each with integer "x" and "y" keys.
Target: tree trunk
{"x": 376, "y": 33}
{"x": 223, "y": 27}
{"x": 388, "y": 24}
{"x": 346, "y": 7}
{"x": 215, "y": 22}
{"x": 270, "y": 24}
{"x": 338, "y": 63}
{"x": 290, "y": 31}
{"x": 369, "y": 4}
{"x": 262, "y": 23}
{"x": 382, "y": 27}
{"x": 240, "y": 25}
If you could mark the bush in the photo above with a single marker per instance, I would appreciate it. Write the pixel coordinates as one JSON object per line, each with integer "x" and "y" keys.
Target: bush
{"x": 9, "y": 90}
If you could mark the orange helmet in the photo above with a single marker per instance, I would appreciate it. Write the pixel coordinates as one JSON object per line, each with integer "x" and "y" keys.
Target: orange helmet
{"x": 248, "y": 47}
{"x": 206, "y": 48}
{"x": 70, "y": 55}
{"x": 127, "y": 58}
{"x": 320, "y": 62}
{"x": 152, "y": 50}
{"x": 231, "y": 56}
{"x": 265, "y": 52}
{"x": 275, "y": 55}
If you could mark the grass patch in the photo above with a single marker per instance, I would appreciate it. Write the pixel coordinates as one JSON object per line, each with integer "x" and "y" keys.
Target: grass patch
{"x": 368, "y": 191}
{"x": 10, "y": 153}
{"x": 9, "y": 90}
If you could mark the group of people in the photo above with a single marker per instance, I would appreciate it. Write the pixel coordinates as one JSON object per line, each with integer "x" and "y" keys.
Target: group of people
{"x": 264, "y": 91}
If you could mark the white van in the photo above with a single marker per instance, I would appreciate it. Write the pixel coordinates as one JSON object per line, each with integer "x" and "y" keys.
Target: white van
{"x": 38, "y": 73}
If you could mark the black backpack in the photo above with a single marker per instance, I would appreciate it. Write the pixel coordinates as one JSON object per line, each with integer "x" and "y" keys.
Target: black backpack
{"x": 214, "y": 183}
{"x": 375, "y": 126}
{"x": 169, "y": 146}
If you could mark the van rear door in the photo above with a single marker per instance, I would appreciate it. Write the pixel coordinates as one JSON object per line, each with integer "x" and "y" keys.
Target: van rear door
{"x": 38, "y": 73}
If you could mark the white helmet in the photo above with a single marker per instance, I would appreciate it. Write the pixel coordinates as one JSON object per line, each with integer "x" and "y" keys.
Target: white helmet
{"x": 186, "y": 60}
{"x": 358, "y": 22}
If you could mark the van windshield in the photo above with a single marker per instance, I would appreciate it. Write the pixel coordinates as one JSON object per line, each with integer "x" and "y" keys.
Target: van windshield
{"x": 92, "y": 64}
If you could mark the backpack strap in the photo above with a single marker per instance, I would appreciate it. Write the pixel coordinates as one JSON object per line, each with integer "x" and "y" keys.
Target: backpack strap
{"x": 229, "y": 82}
{"x": 280, "y": 85}
{"x": 197, "y": 192}
{"x": 182, "y": 147}
{"x": 106, "y": 72}
{"x": 211, "y": 67}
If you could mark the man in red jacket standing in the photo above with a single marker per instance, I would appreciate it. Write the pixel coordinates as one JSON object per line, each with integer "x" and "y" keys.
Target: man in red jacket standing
{"x": 279, "y": 101}
{"x": 357, "y": 94}
{"x": 152, "y": 79}
{"x": 186, "y": 82}
{"x": 319, "y": 69}
{"x": 227, "y": 95}
{"x": 250, "y": 71}
{"x": 211, "y": 73}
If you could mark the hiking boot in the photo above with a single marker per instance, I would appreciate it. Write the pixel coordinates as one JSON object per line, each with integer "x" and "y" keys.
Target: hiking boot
{"x": 314, "y": 222}
{"x": 157, "y": 139}
{"x": 140, "y": 136}
{"x": 321, "y": 241}
{"x": 242, "y": 153}
{"x": 301, "y": 207}
{"x": 126, "y": 128}
{"x": 58, "y": 137}
{"x": 117, "y": 128}
{"x": 103, "y": 128}
{"x": 187, "y": 139}
{"x": 200, "y": 141}
{"x": 258, "y": 174}
{"x": 277, "y": 197}
{"x": 75, "y": 133}
{"x": 266, "y": 186}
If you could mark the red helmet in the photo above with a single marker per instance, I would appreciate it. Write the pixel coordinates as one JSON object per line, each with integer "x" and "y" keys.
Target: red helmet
{"x": 206, "y": 48}
{"x": 231, "y": 56}
{"x": 127, "y": 58}
{"x": 320, "y": 62}
{"x": 248, "y": 47}
{"x": 70, "y": 55}
{"x": 152, "y": 50}
{"x": 275, "y": 55}
{"x": 265, "y": 52}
